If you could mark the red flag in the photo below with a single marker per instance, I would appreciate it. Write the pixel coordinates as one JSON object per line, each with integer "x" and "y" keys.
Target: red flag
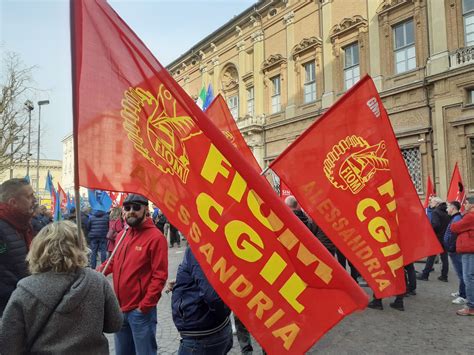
{"x": 220, "y": 115}
{"x": 429, "y": 192}
{"x": 456, "y": 189}
{"x": 62, "y": 197}
{"x": 240, "y": 232}
{"x": 347, "y": 172}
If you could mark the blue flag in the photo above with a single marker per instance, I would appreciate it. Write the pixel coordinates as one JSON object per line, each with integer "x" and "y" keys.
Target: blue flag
{"x": 49, "y": 183}
{"x": 70, "y": 203}
{"x": 209, "y": 98}
{"x": 99, "y": 200}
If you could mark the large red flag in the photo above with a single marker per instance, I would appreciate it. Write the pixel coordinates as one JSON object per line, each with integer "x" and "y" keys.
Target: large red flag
{"x": 456, "y": 189}
{"x": 220, "y": 115}
{"x": 282, "y": 283}
{"x": 429, "y": 191}
{"x": 347, "y": 172}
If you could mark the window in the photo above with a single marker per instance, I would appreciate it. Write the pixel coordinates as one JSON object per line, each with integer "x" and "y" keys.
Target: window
{"x": 404, "y": 44}
{"x": 351, "y": 65}
{"x": 233, "y": 104}
{"x": 412, "y": 158}
{"x": 468, "y": 14}
{"x": 250, "y": 101}
{"x": 470, "y": 96}
{"x": 276, "y": 91}
{"x": 309, "y": 82}
{"x": 471, "y": 145}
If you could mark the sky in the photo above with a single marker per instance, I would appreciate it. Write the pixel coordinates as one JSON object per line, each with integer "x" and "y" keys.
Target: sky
{"x": 38, "y": 30}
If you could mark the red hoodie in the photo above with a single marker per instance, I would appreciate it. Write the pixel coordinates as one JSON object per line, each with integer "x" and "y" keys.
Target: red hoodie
{"x": 140, "y": 267}
{"x": 465, "y": 231}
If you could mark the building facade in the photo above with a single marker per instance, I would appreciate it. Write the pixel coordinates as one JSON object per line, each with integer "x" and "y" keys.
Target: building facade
{"x": 281, "y": 64}
{"x": 45, "y": 165}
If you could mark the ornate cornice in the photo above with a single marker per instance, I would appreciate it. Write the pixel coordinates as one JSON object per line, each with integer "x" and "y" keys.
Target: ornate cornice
{"x": 347, "y": 25}
{"x": 272, "y": 61}
{"x": 257, "y": 36}
{"x": 389, "y": 5}
{"x": 305, "y": 44}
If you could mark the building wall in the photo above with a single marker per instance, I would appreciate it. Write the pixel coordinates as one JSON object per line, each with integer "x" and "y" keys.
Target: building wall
{"x": 45, "y": 165}
{"x": 429, "y": 102}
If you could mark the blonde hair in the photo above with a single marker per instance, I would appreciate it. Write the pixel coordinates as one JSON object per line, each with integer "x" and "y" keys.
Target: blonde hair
{"x": 56, "y": 248}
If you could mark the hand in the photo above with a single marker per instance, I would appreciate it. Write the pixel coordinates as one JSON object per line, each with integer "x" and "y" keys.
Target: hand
{"x": 170, "y": 286}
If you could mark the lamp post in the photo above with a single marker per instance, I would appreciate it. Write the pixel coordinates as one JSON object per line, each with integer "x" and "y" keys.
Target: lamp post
{"x": 29, "y": 107}
{"x": 40, "y": 103}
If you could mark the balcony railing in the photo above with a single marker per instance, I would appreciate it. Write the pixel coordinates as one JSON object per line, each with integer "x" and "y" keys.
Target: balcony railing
{"x": 461, "y": 57}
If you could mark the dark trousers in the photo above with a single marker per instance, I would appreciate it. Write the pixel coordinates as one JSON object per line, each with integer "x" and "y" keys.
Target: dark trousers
{"x": 243, "y": 336}
{"x": 456, "y": 259}
{"x": 430, "y": 262}
{"x": 98, "y": 245}
{"x": 410, "y": 275}
{"x": 174, "y": 236}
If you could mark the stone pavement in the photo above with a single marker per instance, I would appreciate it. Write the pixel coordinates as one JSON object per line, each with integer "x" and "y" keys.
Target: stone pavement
{"x": 428, "y": 325}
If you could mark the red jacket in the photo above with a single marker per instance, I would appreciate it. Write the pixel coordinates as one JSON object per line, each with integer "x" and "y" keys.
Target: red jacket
{"x": 465, "y": 231}
{"x": 140, "y": 267}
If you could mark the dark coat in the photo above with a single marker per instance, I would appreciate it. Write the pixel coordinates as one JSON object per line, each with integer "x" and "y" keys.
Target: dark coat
{"x": 13, "y": 267}
{"x": 197, "y": 309}
{"x": 38, "y": 222}
{"x": 450, "y": 237}
{"x": 440, "y": 220}
{"x": 98, "y": 225}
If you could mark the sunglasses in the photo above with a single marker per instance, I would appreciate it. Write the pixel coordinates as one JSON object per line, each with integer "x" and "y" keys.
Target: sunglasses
{"x": 136, "y": 208}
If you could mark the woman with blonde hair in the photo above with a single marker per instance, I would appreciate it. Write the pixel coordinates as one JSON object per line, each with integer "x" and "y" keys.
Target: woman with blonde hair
{"x": 63, "y": 307}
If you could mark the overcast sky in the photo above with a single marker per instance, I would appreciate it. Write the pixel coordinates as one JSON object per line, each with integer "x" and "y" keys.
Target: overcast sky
{"x": 38, "y": 30}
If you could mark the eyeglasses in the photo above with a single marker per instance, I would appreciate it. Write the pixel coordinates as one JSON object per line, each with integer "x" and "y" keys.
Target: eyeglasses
{"x": 135, "y": 207}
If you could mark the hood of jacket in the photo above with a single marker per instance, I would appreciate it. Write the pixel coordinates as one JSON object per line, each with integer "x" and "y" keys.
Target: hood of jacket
{"x": 98, "y": 213}
{"x": 72, "y": 288}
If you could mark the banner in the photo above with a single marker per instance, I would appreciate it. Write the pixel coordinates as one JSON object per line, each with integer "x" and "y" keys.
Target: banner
{"x": 429, "y": 192}
{"x": 348, "y": 174}
{"x": 99, "y": 200}
{"x": 284, "y": 191}
{"x": 220, "y": 115}
{"x": 456, "y": 191}
{"x": 279, "y": 280}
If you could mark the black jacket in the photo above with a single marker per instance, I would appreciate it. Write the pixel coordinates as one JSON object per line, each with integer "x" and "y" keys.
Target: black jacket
{"x": 440, "y": 220}
{"x": 13, "y": 267}
{"x": 98, "y": 225}
{"x": 197, "y": 309}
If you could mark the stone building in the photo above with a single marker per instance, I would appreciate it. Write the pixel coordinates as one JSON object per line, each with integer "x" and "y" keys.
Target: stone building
{"x": 281, "y": 63}
{"x": 45, "y": 165}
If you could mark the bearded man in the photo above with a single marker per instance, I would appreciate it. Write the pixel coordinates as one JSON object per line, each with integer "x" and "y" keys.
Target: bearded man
{"x": 140, "y": 270}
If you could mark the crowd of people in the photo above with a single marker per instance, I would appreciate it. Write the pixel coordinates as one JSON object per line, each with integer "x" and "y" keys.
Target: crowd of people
{"x": 51, "y": 281}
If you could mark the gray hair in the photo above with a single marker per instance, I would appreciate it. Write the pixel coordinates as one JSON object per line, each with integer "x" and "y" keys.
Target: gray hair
{"x": 437, "y": 200}
{"x": 10, "y": 188}
{"x": 291, "y": 202}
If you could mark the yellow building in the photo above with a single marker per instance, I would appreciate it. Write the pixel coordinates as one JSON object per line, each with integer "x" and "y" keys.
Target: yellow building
{"x": 45, "y": 165}
{"x": 280, "y": 64}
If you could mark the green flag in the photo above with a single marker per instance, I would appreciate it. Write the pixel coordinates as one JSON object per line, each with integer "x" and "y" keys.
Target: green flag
{"x": 202, "y": 98}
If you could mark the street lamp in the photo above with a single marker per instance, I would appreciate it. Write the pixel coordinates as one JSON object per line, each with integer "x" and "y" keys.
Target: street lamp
{"x": 29, "y": 107}
{"x": 40, "y": 103}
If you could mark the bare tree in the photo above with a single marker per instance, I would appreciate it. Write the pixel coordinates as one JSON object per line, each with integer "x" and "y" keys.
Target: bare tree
{"x": 14, "y": 82}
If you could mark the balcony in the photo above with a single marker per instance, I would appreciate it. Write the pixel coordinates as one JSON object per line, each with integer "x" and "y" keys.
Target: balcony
{"x": 251, "y": 124}
{"x": 461, "y": 57}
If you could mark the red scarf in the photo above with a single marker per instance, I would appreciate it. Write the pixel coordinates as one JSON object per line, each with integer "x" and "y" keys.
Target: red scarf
{"x": 21, "y": 222}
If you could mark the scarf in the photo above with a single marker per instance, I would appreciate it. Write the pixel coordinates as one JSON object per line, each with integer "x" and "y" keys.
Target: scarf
{"x": 21, "y": 222}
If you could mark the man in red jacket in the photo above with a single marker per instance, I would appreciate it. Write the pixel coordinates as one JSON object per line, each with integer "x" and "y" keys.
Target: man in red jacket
{"x": 140, "y": 270}
{"x": 465, "y": 246}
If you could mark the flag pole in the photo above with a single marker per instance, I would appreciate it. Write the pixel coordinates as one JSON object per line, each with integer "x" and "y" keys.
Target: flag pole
{"x": 75, "y": 108}
{"x": 114, "y": 251}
